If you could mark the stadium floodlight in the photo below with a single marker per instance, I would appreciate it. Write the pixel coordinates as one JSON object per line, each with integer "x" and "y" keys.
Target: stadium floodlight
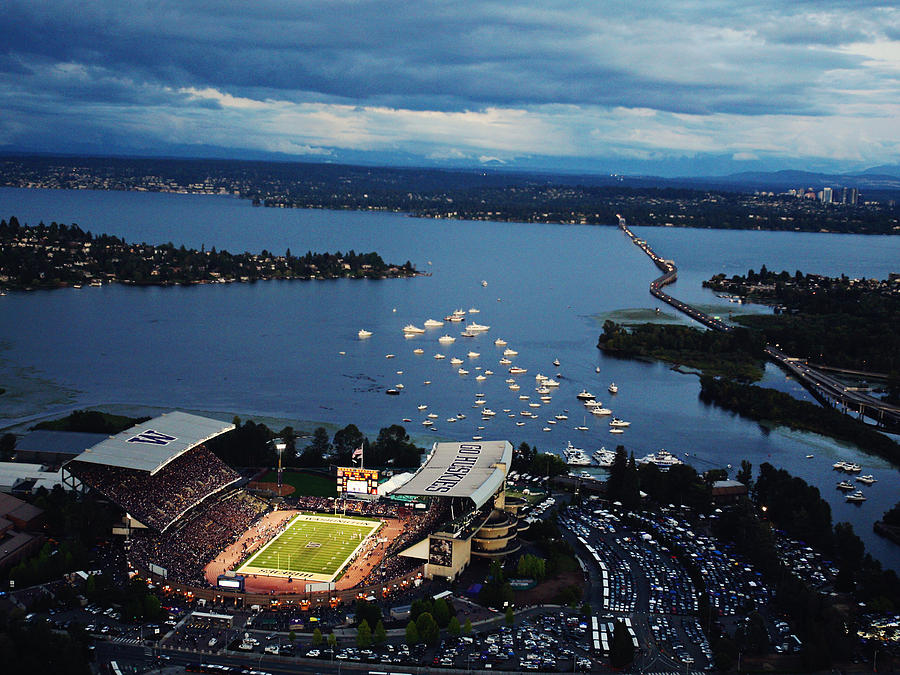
{"x": 280, "y": 447}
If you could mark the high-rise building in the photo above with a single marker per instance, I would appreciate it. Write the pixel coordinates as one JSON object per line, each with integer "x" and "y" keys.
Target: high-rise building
{"x": 854, "y": 196}
{"x": 844, "y": 195}
{"x": 826, "y": 195}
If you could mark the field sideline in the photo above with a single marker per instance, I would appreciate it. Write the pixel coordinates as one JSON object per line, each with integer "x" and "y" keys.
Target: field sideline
{"x": 311, "y": 547}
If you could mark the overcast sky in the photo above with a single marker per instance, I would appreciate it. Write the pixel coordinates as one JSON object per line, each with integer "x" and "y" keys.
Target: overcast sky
{"x": 670, "y": 87}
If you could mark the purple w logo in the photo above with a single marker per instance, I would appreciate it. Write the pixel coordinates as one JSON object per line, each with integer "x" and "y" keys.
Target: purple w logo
{"x": 152, "y": 437}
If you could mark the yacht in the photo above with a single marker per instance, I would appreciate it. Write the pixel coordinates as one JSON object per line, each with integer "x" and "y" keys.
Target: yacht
{"x": 584, "y": 395}
{"x": 476, "y": 327}
{"x": 616, "y": 422}
{"x": 515, "y": 370}
{"x": 454, "y": 318}
{"x": 601, "y": 411}
{"x": 487, "y": 412}
{"x": 480, "y": 401}
{"x": 433, "y": 323}
{"x": 514, "y": 387}
{"x": 446, "y": 339}
{"x": 556, "y": 362}
{"x": 576, "y": 456}
{"x": 389, "y": 356}
{"x": 613, "y": 388}
{"x": 551, "y": 383}
{"x": 616, "y": 430}
{"x": 467, "y": 333}
{"x": 541, "y": 378}
{"x": 546, "y": 429}
{"x": 456, "y": 361}
{"x": 603, "y": 457}
{"x": 500, "y": 342}
{"x": 473, "y": 355}
{"x": 510, "y": 352}
{"x": 581, "y": 428}
{"x": 505, "y": 361}
{"x": 462, "y": 371}
{"x": 422, "y": 406}
{"x": 427, "y": 423}
{"x": 473, "y": 310}
{"x": 411, "y": 329}
{"x": 392, "y": 392}
{"x": 562, "y": 417}
{"x": 439, "y": 356}
{"x": 857, "y": 497}
{"x": 476, "y": 438}
{"x": 845, "y": 485}
{"x": 663, "y": 459}
{"x": 480, "y": 377}
{"x": 363, "y": 334}
{"x": 432, "y": 416}
{"x": 451, "y": 419}
{"x": 868, "y": 479}
{"x": 488, "y": 372}
{"x": 418, "y": 350}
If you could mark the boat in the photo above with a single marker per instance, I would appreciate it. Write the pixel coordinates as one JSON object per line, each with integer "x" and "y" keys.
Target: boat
{"x": 363, "y": 334}
{"x": 551, "y": 383}
{"x": 427, "y": 423}
{"x": 487, "y": 412}
{"x": 556, "y": 362}
{"x": 406, "y": 419}
{"x": 410, "y": 329}
{"x": 616, "y": 422}
{"x": 427, "y": 382}
{"x": 845, "y": 485}
{"x": 480, "y": 401}
{"x": 439, "y": 356}
{"x": 432, "y": 416}
{"x": 852, "y": 467}
{"x": 603, "y": 457}
{"x": 581, "y": 428}
{"x": 601, "y": 411}
{"x": 462, "y": 371}
{"x": 455, "y": 361}
{"x": 597, "y": 369}
{"x": 516, "y": 370}
{"x": 534, "y": 405}
{"x": 392, "y": 392}
{"x": 616, "y": 430}
{"x": 446, "y": 339}
{"x": 520, "y": 424}
{"x": 546, "y": 429}
{"x": 422, "y": 406}
{"x": 467, "y": 333}
{"x": 857, "y": 497}
{"x": 500, "y": 342}
{"x": 810, "y": 456}
{"x": 472, "y": 310}
{"x": 483, "y": 283}
{"x": 476, "y": 438}
{"x": 505, "y": 361}
{"x": 562, "y": 417}
{"x": 451, "y": 419}
{"x": 418, "y": 350}
{"x": 663, "y": 459}
{"x": 510, "y": 352}
{"x": 454, "y": 318}
{"x": 868, "y": 479}
{"x": 433, "y": 323}
{"x": 514, "y": 387}
{"x": 480, "y": 377}
{"x": 488, "y": 372}
{"x": 524, "y": 397}
{"x": 575, "y": 456}
{"x": 613, "y": 388}
{"x": 398, "y": 386}
{"x": 460, "y": 416}
{"x": 551, "y": 421}
{"x": 473, "y": 355}
{"x": 541, "y": 378}
{"x": 388, "y": 356}
{"x": 584, "y": 395}
{"x": 476, "y": 327}
{"x": 591, "y": 403}
{"x": 542, "y": 390}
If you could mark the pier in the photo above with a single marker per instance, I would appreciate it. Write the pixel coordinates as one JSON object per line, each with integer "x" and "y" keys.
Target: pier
{"x": 824, "y": 388}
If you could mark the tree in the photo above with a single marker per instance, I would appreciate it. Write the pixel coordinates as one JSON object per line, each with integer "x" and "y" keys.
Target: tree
{"x": 429, "y": 632}
{"x": 332, "y": 641}
{"x": 315, "y": 453}
{"x": 345, "y": 441}
{"x": 317, "y": 637}
{"x": 453, "y": 627}
{"x": 745, "y": 475}
{"x": 293, "y": 635}
{"x": 363, "y": 635}
{"x": 412, "y": 634}
{"x": 510, "y": 616}
{"x": 467, "y": 627}
{"x": 621, "y": 650}
{"x": 441, "y": 612}
{"x": 379, "y": 637}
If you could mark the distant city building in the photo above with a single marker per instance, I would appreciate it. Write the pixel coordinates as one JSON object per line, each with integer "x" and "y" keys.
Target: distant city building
{"x": 826, "y": 195}
{"x": 854, "y": 196}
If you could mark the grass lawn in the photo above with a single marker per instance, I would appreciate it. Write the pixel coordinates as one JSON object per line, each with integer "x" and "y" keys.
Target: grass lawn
{"x": 312, "y": 547}
{"x": 307, "y": 484}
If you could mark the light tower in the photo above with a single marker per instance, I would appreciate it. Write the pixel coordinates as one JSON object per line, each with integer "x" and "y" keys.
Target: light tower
{"x": 280, "y": 446}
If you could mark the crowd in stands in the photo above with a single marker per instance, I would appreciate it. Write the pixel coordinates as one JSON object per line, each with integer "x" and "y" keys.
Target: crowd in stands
{"x": 186, "y": 549}
{"x": 158, "y": 500}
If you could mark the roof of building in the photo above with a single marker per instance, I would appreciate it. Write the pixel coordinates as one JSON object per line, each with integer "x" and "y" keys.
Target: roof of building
{"x": 14, "y": 473}
{"x": 14, "y": 508}
{"x": 475, "y": 470}
{"x": 153, "y": 444}
{"x": 63, "y": 442}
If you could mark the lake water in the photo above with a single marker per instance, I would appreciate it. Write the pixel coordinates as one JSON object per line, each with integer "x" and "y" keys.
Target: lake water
{"x": 273, "y": 349}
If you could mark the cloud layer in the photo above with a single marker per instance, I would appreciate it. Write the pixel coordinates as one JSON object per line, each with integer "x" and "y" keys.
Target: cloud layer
{"x": 589, "y": 84}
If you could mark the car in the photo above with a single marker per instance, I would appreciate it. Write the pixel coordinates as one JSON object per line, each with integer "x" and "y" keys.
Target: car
{"x": 313, "y": 653}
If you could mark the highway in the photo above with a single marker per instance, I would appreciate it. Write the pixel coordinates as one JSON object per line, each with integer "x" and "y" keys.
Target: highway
{"x": 826, "y": 389}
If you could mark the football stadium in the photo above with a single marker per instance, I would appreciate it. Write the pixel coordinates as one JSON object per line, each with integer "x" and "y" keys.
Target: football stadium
{"x": 196, "y": 525}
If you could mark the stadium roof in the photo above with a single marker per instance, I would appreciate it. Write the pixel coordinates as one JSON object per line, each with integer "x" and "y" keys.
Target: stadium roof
{"x": 63, "y": 442}
{"x": 153, "y": 444}
{"x": 475, "y": 470}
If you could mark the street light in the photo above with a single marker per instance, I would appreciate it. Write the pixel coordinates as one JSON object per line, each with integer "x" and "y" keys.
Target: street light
{"x": 280, "y": 447}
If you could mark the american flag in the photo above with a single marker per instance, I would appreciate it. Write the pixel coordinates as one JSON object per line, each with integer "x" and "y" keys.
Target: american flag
{"x": 357, "y": 453}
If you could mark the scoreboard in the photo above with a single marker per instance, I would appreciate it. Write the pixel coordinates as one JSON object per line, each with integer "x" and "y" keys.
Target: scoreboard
{"x": 357, "y": 481}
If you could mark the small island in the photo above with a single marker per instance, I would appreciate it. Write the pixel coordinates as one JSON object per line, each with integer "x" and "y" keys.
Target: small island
{"x": 58, "y": 255}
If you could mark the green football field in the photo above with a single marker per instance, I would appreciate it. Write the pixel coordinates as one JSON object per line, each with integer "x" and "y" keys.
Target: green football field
{"x": 311, "y": 547}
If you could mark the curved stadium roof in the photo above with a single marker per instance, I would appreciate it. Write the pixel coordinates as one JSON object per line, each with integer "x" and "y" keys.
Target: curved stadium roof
{"x": 475, "y": 470}
{"x": 153, "y": 444}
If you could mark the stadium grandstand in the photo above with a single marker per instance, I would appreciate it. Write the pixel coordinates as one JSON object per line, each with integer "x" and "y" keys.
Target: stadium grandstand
{"x": 156, "y": 471}
{"x": 469, "y": 482}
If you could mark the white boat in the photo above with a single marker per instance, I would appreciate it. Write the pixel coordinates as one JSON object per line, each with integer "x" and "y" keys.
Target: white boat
{"x": 456, "y": 361}
{"x": 516, "y": 370}
{"x": 575, "y": 456}
{"x": 454, "y": 318}
{"x": 534, "y": 405}
{"x": 483, "y": 282}
{"x": 446, "y": 339}
{"x": 480, "y": 378}
{"x": 460, "y": 416}
{"x": 616, "y": 430}
{"x": 488, "y": 372}
{"x": 418, "y": 350}
{"x": 432, "y": 416}
{"x": 584, "y": 395}
{"x": 389, "y": 356}
{"x": 476, "y": 438}
{"x": 514, "y": 387}
{"x": 473, "y": 355}
{"x": 433, "y": 323}
{"x": 613, "y": 388}
{"x": 462, "y": 371}
{"x": 663, "y": 459}
{"x": 505, "y": 361}
{"x": 562, "y": 417}
{"x": 546, "y": 429}
{"x": 472, "y": 310}
{"x": 601, "y": 411}
{"x": 451, "y": 419}
{"x": 542, "y": 390}
{"x": 363, "y": 334}
{"x": 857, "y": 497}
{"x": 476, "y": 327}
{"x": 846, "y": 486}
{"x": 520, "y": 424}
{"x": 427, "y": 423}
{"x": 500, "y": 342}
{"x": 439, "y": 356}
{"x": 541, "y": 378}
{"x": 868, "y": 479}
{"x": 422, "y": 406}
{"x": 510, "y": 352}
{"x": 617, "y": 423}
{"x": 591, "y": 403}
{"x": 603, "y": 457}
{"x": 480, "y": 401}
{"x": 487, "y": 412}
{"x": 551, "y": 383}
{"x": 581, "y": 428}
{"x": 524, "y": 397}
{"x": 411, "y": 329}
{"x": 467, "y": 333}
